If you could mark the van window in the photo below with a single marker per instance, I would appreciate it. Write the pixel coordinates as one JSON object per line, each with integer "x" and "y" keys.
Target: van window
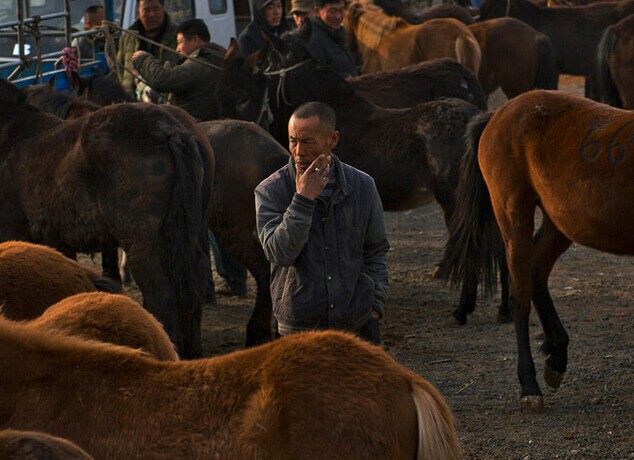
{"x": 217, "y": 6}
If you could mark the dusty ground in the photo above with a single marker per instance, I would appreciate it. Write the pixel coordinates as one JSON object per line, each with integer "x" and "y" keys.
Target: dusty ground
{"x": 590, "y": 417}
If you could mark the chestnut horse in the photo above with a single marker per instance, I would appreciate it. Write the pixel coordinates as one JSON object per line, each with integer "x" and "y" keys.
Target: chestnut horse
{"x": 131, "y": 175}
{"x": 34, "y": 277}
{"x": 574, "y": 32}
{"x": 615, "y": 59}
{"x": 108, "y": 318}
{"x": 390, "y": 43}
{"x": 574, "y": 159}
{"x": 515, "y": 57}
{"x": 413, "y": 155}
{"x": 30, "y": 445}
{"x": 306, "y": 396}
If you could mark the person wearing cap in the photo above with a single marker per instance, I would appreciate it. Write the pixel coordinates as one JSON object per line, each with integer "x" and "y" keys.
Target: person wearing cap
{"x": 328, "y": 42}
{"x": 301, "y": 9}
{"x": 268, "y": 18}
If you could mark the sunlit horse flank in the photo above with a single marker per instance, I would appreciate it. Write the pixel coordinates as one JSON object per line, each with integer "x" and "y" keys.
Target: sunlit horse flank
{"x": 129, "y": 174}
{"x": 306, "y": 396}
{"x": 109, "y": 318}
{"x": 574, "y": 159}
{"x": 30, "y": 445}
{"x": 615, "y": 60}
{"x": 34, "y": 277}
{"x": 389, "y": 43}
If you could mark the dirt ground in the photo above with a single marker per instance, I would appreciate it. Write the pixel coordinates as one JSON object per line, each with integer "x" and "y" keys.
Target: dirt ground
{"x": 590, "y": 417}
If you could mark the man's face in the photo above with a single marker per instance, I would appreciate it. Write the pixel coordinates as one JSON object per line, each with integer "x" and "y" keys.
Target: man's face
{"x": 298, "y": 16}
{"x": 273, "y": 13}
{"x": 307, "y": 139}
{"x": 185, "y": 46}
{"x": 332, "y": 14}
{"x": 93, "y": 19}
{"x": 151, "y": 15}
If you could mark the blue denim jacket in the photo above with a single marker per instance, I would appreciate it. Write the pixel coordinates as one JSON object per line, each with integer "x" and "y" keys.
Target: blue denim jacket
{"x": 328, "y": 265}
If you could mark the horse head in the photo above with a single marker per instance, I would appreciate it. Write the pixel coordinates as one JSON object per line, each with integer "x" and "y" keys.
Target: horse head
{"x": 100, "y": 89}
{"x": 10, "y": 95}
{"x": 242, "y": 85}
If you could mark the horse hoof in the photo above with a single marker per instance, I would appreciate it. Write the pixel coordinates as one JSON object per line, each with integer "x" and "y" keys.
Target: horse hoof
{"x": 504, "y": 317}
{"x": 459, "y": 318}
{"x": 552, "y": 377}
{"x": 533, "y": 404}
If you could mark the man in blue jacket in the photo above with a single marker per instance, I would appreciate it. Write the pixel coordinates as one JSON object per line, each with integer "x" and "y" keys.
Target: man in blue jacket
{"x": 320, "y": 222}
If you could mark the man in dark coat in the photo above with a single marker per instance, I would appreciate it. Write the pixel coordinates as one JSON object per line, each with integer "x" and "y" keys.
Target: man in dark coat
{"x": 192, "y": 84}
{"x": 268, "y": 18}
{"x": 328, "y": 42}
{"x": 153, "y": 23}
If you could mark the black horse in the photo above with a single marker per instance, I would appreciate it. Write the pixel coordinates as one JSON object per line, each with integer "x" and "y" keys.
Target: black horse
{"x": 409, "y": 153}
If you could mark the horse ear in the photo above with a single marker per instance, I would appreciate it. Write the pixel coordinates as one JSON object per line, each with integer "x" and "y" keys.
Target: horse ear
{"x": 305, "y": 29}
{"x": 76, "y": 82}
{"x": 233, "y": 51}
{"x": 51, "y": 83}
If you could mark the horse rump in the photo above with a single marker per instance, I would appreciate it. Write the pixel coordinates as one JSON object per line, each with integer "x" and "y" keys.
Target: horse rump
{"x": 608, "y": 92}
{"x": 547, "y": 75}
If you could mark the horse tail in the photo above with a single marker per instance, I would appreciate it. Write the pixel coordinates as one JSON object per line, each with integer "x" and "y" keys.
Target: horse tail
{"x": 468, "y": 53}
{"x": 103, "y": 284}
{"x": 474, "y": 243}
{"x": 547, "y": 75}
{"x": 608, "y": 91}
{"x": 185, "y": 230}
{"x": 437, "y": 437}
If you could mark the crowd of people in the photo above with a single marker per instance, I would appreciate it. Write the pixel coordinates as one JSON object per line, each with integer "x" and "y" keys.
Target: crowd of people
{"x": 319, "y": 220}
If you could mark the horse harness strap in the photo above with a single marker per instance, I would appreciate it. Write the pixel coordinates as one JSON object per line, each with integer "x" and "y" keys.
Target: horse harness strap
{"x": 280, "y": 85}
{"x": 265, "y": 117}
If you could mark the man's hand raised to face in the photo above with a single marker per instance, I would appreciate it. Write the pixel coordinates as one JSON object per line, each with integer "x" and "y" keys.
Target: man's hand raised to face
{"x": 310, "y": 183}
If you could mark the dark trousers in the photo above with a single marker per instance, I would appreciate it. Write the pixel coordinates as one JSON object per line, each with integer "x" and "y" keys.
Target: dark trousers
{"x": 371, "y": 332}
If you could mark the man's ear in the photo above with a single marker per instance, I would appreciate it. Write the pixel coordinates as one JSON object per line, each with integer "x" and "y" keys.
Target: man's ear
{"x": 334, "y": 140}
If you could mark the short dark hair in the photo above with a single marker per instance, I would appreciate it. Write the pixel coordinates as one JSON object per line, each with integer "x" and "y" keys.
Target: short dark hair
{"x": 93, "y": 9}
{"x": 193, "y": 27}
{"x": 323, "y": 3}
{"x": 325, "y": 113}
{"x": 138, "y": 3}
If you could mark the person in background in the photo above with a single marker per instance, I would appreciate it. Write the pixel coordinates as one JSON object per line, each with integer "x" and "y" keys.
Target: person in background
{"x": 328, "y": 42}
{"x": 268, "y": 18}
{"x": 320, "y": 223}
{"x": 93, "y": 16}
{"x": 153, "y": 23}
{"x": 301, "y": 9}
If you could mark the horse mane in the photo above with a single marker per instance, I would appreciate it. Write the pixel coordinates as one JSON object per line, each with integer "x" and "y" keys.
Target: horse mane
{"x": 372, "y": 23}
{"x": 49, "y": 101}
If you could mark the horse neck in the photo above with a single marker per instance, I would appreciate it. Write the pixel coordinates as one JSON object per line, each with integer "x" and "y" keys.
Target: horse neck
{"x": 526, "y": 11}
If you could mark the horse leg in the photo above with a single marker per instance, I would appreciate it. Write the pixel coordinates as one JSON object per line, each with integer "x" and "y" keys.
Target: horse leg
{"x": 504, "y": 311}
{"x": 468, "y": 295}
{"x": 124, "y": 270}
{"x": 515, "y": 219}
{"x": 259, "y": 326}
{"x": 110, "y": 263}
{"x": 549, "y": 243}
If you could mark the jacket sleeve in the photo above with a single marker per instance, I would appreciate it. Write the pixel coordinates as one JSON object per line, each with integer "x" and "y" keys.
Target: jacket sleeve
{"x": 166, "y": 80}
{"x": 283, "y": 233}
{"x": 375, "y": 248}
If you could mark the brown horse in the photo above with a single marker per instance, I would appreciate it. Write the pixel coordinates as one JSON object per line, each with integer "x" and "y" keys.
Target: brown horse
{"x": 305, "y": 396}
{"x": 108, "y": 318}
{"x": 515, "y": 57}
{"x": 34, "y": 277}
{"x": 390, "y": 43}
{"x": 615, "y": 59}
{"x": 574, "y": 32}
{"x": 574, "y": 159}
{"x": 30, "y": 445}
{"x": 131, "y": 175}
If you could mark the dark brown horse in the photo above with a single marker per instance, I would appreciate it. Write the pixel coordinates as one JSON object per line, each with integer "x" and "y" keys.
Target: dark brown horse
{"x": 29, "y": 445}
{"x": 34, "y": 277}
{"x": 305, "y": 396}
{"x": 390, "y": 43}
{"x": 515, "y": 57}
{"x": 574, "y": 32}
{"x": 574, "y": 159}
{"x": 130, "y": 175}
{"x": 409, "y": 153}
{"x": 615, "y": 59}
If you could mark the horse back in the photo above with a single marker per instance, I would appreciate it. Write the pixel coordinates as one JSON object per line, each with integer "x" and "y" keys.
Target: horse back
{"x": 573, "y": 157}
